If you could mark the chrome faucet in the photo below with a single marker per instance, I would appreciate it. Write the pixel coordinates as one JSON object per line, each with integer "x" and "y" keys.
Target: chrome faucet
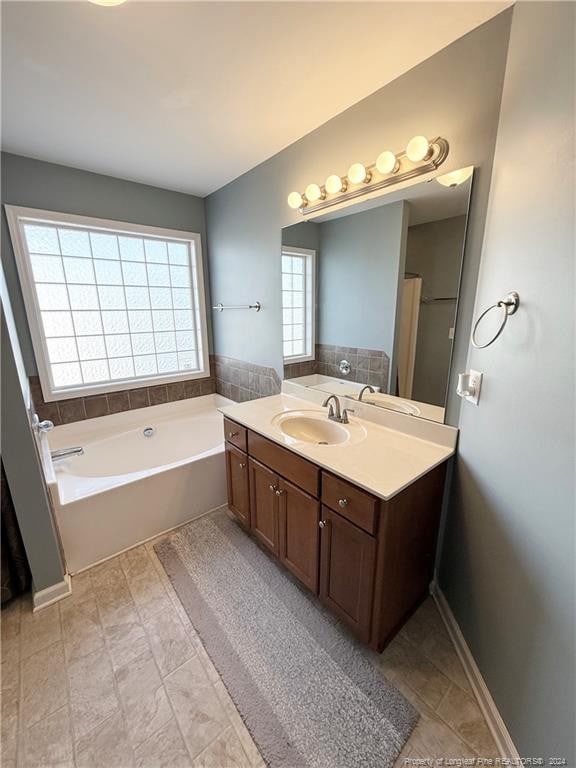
{"x": 64, "y": 453}
{"x": 334, "y": 413}
{"x": 367, "y": 387}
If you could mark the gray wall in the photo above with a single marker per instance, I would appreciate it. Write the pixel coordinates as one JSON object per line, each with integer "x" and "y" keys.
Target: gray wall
{"x": 434, "y": 251}
{"x": 455, "y": 93}
{"x": 37, "y": 184}
{"x": 51, "y": 187}
{"x": 305, "y": 234}
{"x": 21, "y": 460}
{"x": 360, "y": 259}
{"x": 508, "y": 563}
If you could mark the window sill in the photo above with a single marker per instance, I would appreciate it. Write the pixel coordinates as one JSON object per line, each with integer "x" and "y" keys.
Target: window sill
{"x": 300, "y": 359}
{"x": 124, "y": 386}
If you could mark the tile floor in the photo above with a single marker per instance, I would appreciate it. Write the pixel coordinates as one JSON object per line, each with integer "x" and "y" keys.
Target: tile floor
{"x": 115, "y": 676}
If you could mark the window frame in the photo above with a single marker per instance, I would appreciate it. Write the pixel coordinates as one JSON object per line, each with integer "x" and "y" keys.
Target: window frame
{"x": 310, "y": 291}
{"x": 17, "y": 217}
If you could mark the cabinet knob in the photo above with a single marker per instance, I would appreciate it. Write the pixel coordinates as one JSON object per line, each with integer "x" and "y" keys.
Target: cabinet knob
{"x": 343, "y": 502}
{"x": 322, "y": 523}
{"x": 242, "y": 465}
{"x": 233, "y": 434}
{"x": 272, "y": 488}
{"x": 279, "y": 492}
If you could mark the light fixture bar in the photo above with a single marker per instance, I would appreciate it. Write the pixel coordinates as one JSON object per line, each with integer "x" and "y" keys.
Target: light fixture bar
{"x": 439, "y": 152}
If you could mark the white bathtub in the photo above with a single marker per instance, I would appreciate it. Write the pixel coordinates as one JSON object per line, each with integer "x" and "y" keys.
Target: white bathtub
{"x": 127, "y": 487}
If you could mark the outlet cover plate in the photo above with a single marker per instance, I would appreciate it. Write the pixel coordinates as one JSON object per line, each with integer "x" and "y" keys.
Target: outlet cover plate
{"x": 476, "y": 385}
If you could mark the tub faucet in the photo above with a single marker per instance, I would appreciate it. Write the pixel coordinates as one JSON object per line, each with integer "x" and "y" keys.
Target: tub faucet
{"x": 367, "y": 387}
{"x": 64, "y": 453}
{"x": 334, "y": 413}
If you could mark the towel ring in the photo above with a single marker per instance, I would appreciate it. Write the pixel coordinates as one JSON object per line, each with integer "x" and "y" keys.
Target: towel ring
{"x": 509, "y": 304}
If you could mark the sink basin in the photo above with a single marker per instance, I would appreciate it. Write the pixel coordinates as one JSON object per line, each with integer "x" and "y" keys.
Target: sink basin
{"x": 392, "y": 403}
{"x": 315, "y": 428}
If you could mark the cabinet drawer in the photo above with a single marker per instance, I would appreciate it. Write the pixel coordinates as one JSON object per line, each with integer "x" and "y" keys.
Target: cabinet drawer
{"x": 349, "y": 501}
{"x": 235, "y": 434}
{"x": 299, "y": 471}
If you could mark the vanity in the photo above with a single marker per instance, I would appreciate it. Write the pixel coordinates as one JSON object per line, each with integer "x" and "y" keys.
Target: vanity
{"x": 355, "y": 520}
{"x": 351, "y": 505}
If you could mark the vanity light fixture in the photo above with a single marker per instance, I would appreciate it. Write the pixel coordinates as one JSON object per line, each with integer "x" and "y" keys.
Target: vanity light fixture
{"x": 420, "y": 156}
{"x": 335, "y": 184}
{"x": 108, "y": 2}
{"x": 314, "y": 193}
{"x": 357, "y": 174}
{"x": 387, "y": 162}
{"x": 418, "y": 149}
{"x": 295, "y": 200}
{"x": 454, "y": 178}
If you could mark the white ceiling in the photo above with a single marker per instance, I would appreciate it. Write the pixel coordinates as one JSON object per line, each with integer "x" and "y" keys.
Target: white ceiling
{"x": 189, "y": 96}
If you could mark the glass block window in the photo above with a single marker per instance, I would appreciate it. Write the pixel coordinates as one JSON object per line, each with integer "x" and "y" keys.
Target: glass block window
{"x": 298, "y": 303}
{"x": 110, "y": 306}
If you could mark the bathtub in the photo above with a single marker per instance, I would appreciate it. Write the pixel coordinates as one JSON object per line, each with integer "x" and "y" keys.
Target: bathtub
{"x": 143, "y": 472}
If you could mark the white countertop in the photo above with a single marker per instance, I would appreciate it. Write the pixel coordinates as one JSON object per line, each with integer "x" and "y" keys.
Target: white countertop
{"x": 384, "y": 463}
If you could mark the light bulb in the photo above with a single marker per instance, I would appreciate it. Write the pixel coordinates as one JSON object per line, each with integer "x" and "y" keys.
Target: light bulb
{"x": 313, "y": 193}
{"x": 295, "y": 200}
{"x": 334, "y": 184}
{"x": 107, "y": 2}
{"x": 387, "y": 162}
{"x": 418, "y": 149}
{"x": 454, "y": 178}
{"x": 357, "y": 173}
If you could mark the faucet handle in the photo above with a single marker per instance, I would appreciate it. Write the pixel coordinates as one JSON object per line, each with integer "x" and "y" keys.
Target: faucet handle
{"x": 44, "y": 426}
{"x": 345, "y": 413}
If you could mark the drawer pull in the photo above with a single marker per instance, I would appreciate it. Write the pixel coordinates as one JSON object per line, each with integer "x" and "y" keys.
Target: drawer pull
{"x": 279, "y": 492}
{"x": 242, "y": 465}
{"x": 322, "y": 523}
{"x": 233, "y": 434}
{"x": 343, "y": 502}
{"x": 273, "y": 488}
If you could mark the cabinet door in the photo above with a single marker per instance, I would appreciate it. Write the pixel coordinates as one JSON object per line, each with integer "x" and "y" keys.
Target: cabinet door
{"x": 237, "y": 477}
{"x": 264, "y": 505}
{"x": 299, "y": 515}
{"x": 347, "y": 561}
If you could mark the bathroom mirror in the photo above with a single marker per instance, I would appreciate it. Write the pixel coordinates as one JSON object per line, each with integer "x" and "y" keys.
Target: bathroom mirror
{"x": 370, "y": 293}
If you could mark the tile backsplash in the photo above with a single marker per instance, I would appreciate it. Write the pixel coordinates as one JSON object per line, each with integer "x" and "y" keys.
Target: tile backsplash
{"x": 79, "y": 408}
{"x": 241, "y": 381}
{"x": 368, "y": 366}
{"x": 236, "y": 379}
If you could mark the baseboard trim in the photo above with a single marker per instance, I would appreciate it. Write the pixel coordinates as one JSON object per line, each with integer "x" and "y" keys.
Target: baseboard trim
{"x": 483, "y": 696}
{"x": 45, "y": 597}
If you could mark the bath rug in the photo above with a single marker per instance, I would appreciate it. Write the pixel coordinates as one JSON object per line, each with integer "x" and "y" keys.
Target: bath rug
{"x": 305, "y": 688}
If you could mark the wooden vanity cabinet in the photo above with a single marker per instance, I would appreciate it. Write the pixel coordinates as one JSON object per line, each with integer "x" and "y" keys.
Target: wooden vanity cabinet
{"x": 237, "y": 478}
{"x": 347, "y": 560}
{"x": 299, "y": 518}
{"x": 285, "y": 519}
{"x": 370, "y": 561}
{"x": 264, "y": 505}
{"x": 236, "y": 435}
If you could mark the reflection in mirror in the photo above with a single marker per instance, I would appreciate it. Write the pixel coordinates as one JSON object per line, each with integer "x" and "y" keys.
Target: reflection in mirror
{"x": 369, "y": 296}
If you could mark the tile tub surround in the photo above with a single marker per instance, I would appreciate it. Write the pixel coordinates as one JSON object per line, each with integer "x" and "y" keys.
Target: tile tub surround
{"x": 295, "y": 370}
{"x": 369, "y": 366}
{"x": 80, "y": 408}
{"x": 138, "y": 688}
{"x": 242, "y": 381}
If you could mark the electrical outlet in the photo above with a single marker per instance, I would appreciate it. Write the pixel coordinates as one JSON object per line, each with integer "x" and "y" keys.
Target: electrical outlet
{"x": 475, "y": 383}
